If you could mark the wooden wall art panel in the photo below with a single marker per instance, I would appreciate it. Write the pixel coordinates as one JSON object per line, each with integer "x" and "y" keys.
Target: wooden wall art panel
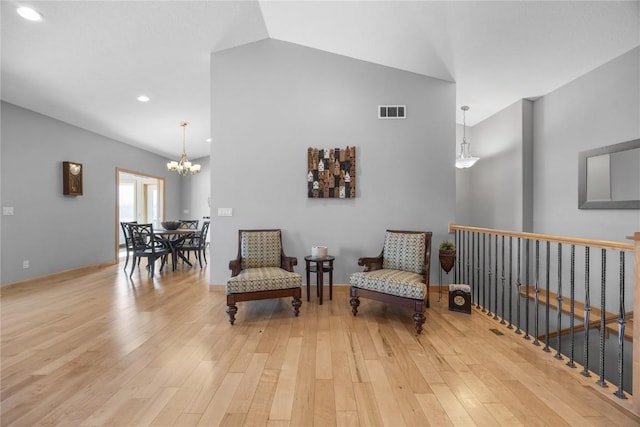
{"x": 72, "y": 178}
{"x": 331, "y": 173}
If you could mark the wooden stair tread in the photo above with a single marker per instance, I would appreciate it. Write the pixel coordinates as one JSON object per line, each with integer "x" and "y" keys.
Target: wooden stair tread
{"x": 611, "y": 319}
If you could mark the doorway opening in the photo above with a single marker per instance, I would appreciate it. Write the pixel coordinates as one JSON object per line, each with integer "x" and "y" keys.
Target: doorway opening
{"x": 139, "y": 197}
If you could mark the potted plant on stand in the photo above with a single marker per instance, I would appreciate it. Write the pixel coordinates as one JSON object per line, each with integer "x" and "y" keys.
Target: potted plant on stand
{"x": 447, "y": 255}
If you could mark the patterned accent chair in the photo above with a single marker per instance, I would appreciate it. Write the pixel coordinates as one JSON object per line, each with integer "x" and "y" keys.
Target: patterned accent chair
{"x": 262, "y": 271}
{"x": 399, "y": 275}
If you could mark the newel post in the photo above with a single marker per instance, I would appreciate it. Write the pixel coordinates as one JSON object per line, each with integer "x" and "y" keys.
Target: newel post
{"x": 636, "y": 321}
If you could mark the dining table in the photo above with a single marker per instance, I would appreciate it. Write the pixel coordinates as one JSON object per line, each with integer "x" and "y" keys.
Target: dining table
{"x": 174, "y": 239}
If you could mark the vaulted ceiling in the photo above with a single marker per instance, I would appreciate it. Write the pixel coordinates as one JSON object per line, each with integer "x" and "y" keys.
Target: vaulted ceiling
{"x": 87, "y": 61}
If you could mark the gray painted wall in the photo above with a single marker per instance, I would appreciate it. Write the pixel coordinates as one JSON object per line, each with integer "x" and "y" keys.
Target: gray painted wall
{"x": 600, "y": 108}
{"x": 272, "y": 100}
{"x": 496, "y": 191}
{"x": 463, "y": 182}
{"x": 195, "y": 191}
{"x": 55, "y": 232}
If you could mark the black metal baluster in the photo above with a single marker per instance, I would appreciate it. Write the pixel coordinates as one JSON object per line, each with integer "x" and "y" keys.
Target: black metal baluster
{"x": 468, "y": 258}
{"x": 472, "y": 273}
{"x": 456, "y": 242}
{"x": 526, "y": 300}
{"x": 510, "y": 282}
{"x": 495, "y": 280}
{"x": 548, "y": 299}
{"x": 621, "y": 326}
{"x": 587, "y": 313}
{"x": 484, "y": 255}
{"x": 463, "y": 239}
{"x": 559, "y": 294}
{"x": 464, "y": 276}
{"x": 572, "y": 316}
{"x": 469, "y": 267}
{"x": 464, "y": 259}
{"x": 478, "y": 269}
{"x": 519, "y": 285}
{"x": 537, "y": 295}
{"x": 603, "y": 314}
{"x": 502, "y": 322}
{"x": 490, "y": 274}
{"x": 468, "y": 273}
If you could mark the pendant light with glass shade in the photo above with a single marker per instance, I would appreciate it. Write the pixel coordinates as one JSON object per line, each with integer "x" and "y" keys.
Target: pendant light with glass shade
{"x": 464, "y": 159}
{"x": 184, "y": 166}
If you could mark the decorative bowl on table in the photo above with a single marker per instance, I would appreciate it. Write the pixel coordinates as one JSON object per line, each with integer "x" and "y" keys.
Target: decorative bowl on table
{"x": 171, "y": 225}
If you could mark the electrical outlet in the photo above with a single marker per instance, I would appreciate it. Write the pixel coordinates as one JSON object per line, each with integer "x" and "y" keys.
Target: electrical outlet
{"x": 25, "y": 263}
{"x": 7, "y": 210}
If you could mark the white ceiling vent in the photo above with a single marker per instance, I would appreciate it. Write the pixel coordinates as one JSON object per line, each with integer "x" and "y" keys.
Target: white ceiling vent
{"x": 392, "y": 111}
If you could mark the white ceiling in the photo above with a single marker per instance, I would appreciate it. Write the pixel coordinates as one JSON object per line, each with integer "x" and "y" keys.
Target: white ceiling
{"x": 87, "y": 61}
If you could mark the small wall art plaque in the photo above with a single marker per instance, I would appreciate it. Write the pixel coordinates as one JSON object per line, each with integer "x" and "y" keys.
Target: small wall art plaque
{"x": 72, "y": 178}
{"x": 331, "y": 173}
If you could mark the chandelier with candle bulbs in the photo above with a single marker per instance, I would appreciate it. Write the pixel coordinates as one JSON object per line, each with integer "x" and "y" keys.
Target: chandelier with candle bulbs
{"x": 183, "y": 166}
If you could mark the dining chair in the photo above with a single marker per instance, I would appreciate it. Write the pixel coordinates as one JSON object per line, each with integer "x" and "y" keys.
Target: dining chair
{"x": 191, "y": 224}
{"x": 147, "y": 245}
{"x": 197, "y": 244}
{"x": 128, "y": 240}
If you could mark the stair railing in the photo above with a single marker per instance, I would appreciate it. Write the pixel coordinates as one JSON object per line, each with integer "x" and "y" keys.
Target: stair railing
{"x": 515, "y": 270}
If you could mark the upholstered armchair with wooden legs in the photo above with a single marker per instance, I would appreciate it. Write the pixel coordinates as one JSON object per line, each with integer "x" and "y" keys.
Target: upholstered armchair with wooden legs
{"x": 399, "y": 275}
{"x": 262, "y": 271}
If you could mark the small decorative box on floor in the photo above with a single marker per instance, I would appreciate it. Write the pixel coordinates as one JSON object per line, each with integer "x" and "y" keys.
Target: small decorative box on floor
{"x": 460, "y": 298}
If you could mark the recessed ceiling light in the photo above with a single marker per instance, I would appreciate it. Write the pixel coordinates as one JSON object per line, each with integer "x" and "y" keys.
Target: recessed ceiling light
{"x": 143, "y": 98}
{"x": 208, "y": 139}
{"x": 28, "y": 13}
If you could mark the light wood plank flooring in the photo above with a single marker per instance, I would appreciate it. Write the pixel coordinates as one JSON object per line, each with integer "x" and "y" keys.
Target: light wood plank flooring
{"x": 98, "y": 349}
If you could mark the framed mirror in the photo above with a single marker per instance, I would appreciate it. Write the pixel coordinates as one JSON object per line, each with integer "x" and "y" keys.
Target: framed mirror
{"x": 609, "y": 177}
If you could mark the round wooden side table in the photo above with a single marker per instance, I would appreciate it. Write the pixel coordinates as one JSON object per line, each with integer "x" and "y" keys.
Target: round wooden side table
{"x": 319, "y": 265}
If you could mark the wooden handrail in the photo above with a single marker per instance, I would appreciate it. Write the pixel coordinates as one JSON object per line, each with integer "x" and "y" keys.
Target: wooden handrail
{"x": 547, "y": 237}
